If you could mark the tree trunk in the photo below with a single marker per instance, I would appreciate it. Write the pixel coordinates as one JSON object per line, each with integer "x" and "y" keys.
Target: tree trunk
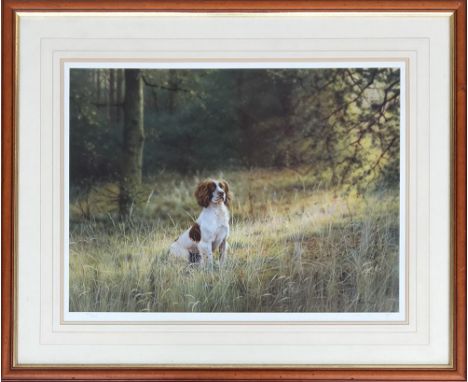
{"x": 119, "y": 88}
{"x": 173, "y": 83}
{"x": 133, "y": 140}
{"x": 245, "y": 123}
{"x": 285, "y": 94}
{"x": 111, "y": 96}
{"x": 97, "y": 85}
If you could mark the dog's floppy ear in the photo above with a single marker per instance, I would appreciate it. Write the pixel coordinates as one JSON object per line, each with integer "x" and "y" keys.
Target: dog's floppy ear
{"x": 225, "y": 186}
{"x": 204, "y": 192}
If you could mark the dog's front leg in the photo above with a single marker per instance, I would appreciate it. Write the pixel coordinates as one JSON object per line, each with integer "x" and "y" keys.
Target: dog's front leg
{"x": 223, "y": 250}
{"x": 206, "y": 252}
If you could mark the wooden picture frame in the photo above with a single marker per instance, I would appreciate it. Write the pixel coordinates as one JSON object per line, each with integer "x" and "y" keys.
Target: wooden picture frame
{"x": 10, "y": 9}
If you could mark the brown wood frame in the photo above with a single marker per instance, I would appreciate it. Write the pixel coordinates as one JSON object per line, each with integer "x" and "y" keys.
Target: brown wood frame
{"x": 10, "y": 372}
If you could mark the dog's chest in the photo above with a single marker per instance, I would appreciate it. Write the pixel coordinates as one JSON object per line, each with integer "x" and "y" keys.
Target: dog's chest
{"x": 222, "y": 224}
{"x": 215, "y": 222}
{"x": 221, "y": 219}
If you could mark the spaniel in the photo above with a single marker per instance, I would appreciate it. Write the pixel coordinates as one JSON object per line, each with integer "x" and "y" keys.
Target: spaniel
{"x": 211, "y": 229}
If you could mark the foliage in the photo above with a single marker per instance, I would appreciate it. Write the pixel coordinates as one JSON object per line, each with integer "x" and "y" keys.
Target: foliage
{"x": 339, "y": 125}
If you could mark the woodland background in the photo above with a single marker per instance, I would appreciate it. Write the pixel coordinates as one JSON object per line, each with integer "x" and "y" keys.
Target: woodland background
{"x": 312, "y": 156}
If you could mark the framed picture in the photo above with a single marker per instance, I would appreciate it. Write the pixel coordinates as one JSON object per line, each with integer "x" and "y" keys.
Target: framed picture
{"x": 231, "y": 190}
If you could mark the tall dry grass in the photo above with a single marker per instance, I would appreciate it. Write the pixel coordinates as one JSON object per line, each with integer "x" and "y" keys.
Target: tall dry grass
{"x": 293, "y": 248}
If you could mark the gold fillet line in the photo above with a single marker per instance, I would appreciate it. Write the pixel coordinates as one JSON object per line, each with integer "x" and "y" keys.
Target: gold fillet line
{"x": 15, "y": 185}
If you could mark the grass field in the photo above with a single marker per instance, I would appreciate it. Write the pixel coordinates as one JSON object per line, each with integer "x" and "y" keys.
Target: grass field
{"x": 294, "y": 247}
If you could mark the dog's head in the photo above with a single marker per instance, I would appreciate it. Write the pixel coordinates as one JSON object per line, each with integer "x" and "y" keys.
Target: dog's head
{"x": 213, "y": 191}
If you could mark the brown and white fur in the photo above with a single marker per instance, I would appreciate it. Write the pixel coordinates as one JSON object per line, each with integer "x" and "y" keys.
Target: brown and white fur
{"x": 211, "y": 230}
